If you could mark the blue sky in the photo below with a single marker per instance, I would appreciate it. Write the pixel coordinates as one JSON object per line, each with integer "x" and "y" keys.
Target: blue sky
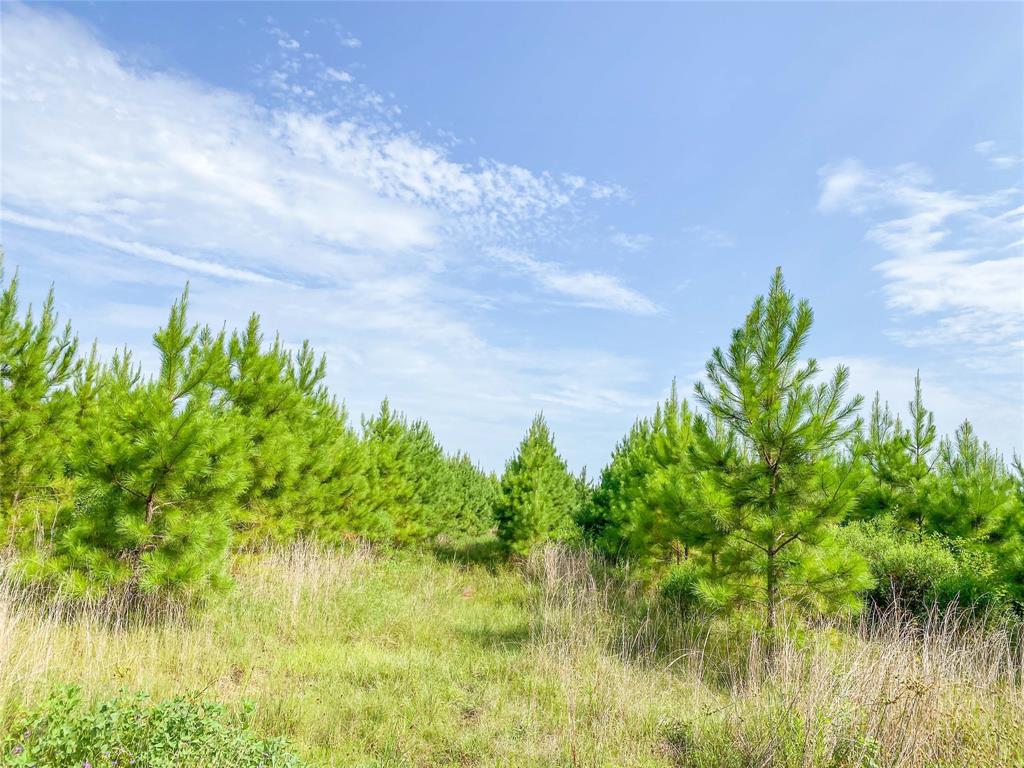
{"x": 487, "y": 210}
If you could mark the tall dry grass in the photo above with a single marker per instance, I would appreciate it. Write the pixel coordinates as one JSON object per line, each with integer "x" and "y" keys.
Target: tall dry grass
{"x": 49, "y": 639}
{"x": 879, "y": 690}
{"x": 398, "y": 659}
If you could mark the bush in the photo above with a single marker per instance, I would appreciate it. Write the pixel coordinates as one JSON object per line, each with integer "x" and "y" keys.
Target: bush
{"x": 920, "y": 572}
{"x": 133, "y": 731}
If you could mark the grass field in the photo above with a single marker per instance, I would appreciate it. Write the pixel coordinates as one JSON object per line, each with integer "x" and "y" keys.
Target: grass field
{"x": 416, "y": 659}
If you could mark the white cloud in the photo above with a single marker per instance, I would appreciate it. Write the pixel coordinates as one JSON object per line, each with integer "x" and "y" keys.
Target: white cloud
{"x": 338, "y": 74}
{"x": 334, "y": 222}
{"x": 159, "y": 255}
{"x": 1005, "y": 162}
{"x": 1002, "y": 161}
{"x": 637, "y": 242}
{"x": 349, "y": 41}
{"x": 588, "y": 289}
{"x": 953, "y": 258}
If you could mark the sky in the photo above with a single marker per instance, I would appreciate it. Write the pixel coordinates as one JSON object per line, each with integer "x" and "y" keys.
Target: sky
{"x": 482, "y": 211}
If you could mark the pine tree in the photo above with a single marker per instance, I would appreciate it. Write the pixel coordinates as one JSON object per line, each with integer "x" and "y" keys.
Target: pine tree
{"x": 973, "y": 497}
{"x": 159, "y": 468}
{"x": 466, "y": 498}
{"x": 332, "y": 488}
{"x": 266, "y": 401}
{"x": 778, "y": 486}
{"x": 305, "y": 468}
{"x": 676, "y": 521}
{"x": 538, "y": 493}
{"x": 899, "y": 463}
{"x": 37, "y": 365}
{"x": 606, "y": 519}
{"x": 396, "y": 488}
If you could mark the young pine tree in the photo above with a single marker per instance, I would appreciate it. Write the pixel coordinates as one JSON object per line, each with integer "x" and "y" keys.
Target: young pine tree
{"x": 539, "y": 495}
{"x": 397, "y": 453}
{"x": 304, "y": 463}
{"x": 160, "y": 467}
{"x": 777, "y": 488}
{"x": 973, "y": 496}
{"x": 331, "y": 492}
{"x": 266, "y": 402}
{"x": 605, "y": 521}
{"x": 677, "y": 523}
{"x": 898, "y": 463}
{"x": 37, "y": 365}
{"x": 466, "y": 498}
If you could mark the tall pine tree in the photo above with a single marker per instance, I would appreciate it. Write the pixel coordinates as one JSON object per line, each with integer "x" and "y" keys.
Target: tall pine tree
{"x": 778, "y": 489}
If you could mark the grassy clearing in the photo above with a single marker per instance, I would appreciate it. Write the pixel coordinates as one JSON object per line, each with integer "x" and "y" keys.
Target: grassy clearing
{"x": 405, "y": 659}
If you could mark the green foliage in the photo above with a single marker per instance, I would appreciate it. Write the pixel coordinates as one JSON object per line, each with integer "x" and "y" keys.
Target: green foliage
{"x": 972, "y": 497}
{"x": 777, "y": 486}
{"x": 605, "y": 520}
{"x": 920, "y": 572}
{"x": 304, "y": 464}
{"x": 37, "y": 365}
{"x": 63, "y": 730}
{"x": 110, "y": 480}
{"x": 539, "y": 497}
{"x": 466, "y": 498}
{"x": 403, "y": 458}
{"x": 681, "y": 585}
{"x": 159, "y": 468}
{"x": 646, "y": 508}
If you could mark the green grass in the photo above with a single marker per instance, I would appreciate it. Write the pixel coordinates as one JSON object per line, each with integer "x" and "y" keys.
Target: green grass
{"x": 414, "y": 659}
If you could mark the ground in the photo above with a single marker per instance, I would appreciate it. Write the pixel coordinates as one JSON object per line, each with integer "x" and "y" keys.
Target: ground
{"x": 364, "y": 658}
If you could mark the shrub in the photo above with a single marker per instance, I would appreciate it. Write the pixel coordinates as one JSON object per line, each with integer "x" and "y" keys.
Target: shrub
{"x": 919, "y": 572}
{"x": 127, "y": 731}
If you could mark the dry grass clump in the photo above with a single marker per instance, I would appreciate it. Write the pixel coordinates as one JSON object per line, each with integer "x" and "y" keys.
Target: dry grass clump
{"x": 401, "y": 659}
{"x": 883, "y": 690}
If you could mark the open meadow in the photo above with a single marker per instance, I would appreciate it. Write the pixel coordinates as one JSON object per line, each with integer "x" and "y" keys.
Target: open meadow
{"x": 364, "y": 658}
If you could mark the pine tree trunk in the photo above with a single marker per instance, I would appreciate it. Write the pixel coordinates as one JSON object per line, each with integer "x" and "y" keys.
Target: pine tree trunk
{"x": 772, "y": 596}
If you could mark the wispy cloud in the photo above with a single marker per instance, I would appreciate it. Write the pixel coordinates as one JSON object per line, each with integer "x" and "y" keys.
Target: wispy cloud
{"x": 585, "y": 288}
{"x": 316, "y": 207}
{"x": 954, "y": 258}
{"x": 339, "y": 74}
{"x": 1001, "y": 160}
{"x": 634, "y": 242}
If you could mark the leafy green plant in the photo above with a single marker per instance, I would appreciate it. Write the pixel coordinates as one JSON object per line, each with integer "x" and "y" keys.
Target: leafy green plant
{"x": 922, "y": 571}
{"x": 133, "y": 731}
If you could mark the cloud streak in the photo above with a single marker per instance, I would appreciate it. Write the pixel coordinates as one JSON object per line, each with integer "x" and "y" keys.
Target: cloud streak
{"x": 587, "y": 289}
{"x": 314, "y": 206}
{"x": 954, "y": 258}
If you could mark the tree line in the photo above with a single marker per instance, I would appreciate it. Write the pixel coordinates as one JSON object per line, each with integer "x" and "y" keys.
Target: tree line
{"x": 770, "y": 491}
